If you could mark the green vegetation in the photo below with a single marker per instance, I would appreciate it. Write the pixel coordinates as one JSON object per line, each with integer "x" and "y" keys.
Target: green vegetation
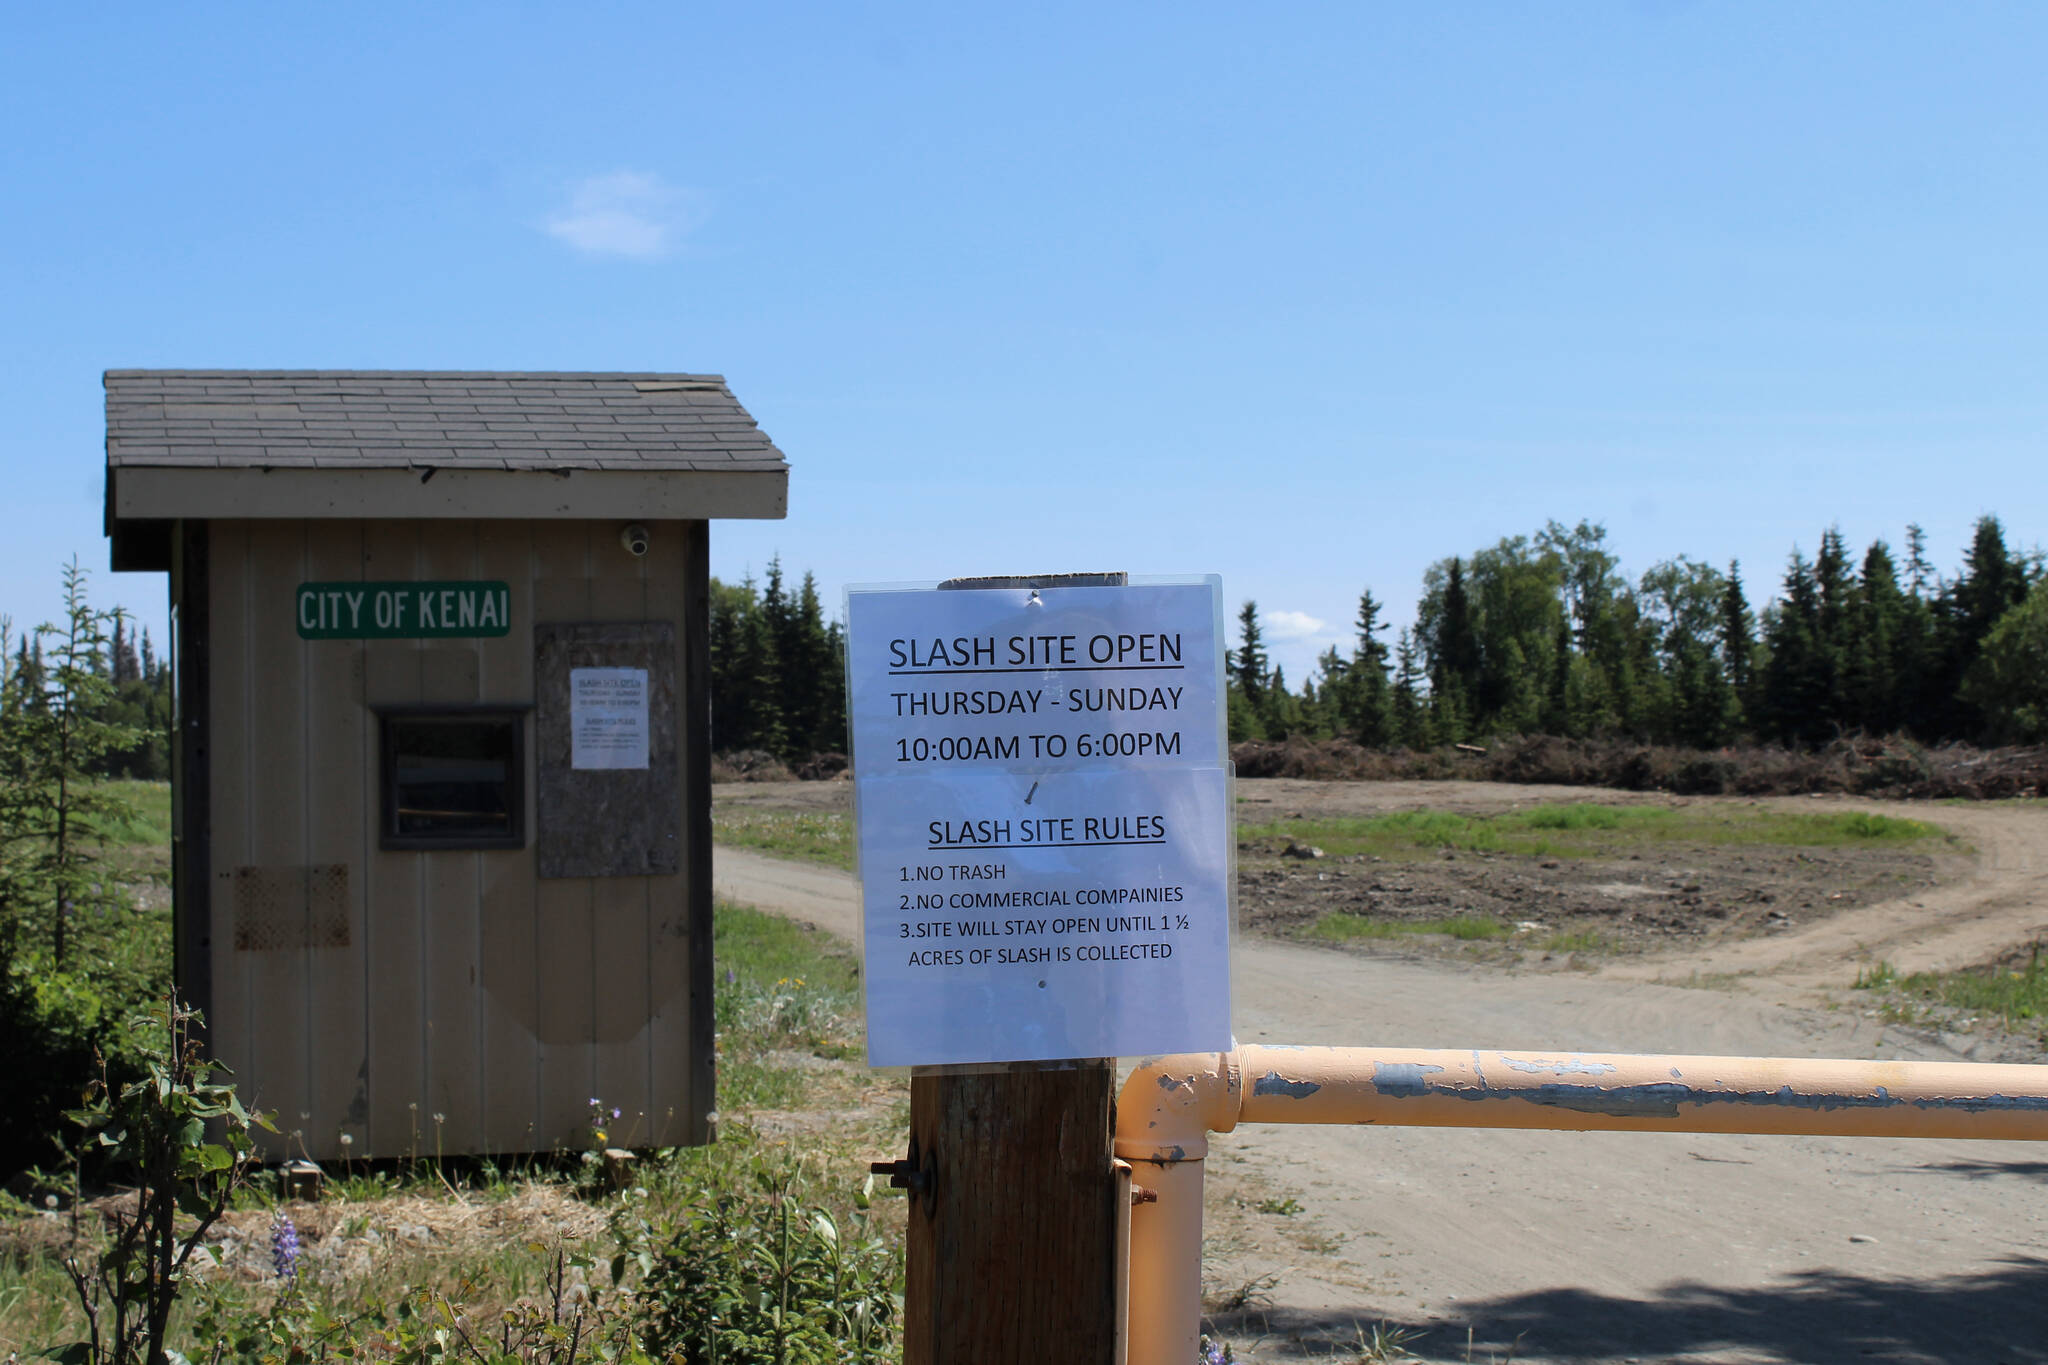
{"x": 1343, "y": 928}
{"x": 2009, "y": 681}
{"x": 153, "y": 1131}
{"x": 1544, "y": 634}
{"x": 753, "y": 1249}
{"x": 778, "y": 672}
{"x": 139, "y": 816}
{"x": 2017, "y": 997}
{"x": 809, "y": 836}
{"x": 80, "y": 954}
{"x": 1589, "y": 831}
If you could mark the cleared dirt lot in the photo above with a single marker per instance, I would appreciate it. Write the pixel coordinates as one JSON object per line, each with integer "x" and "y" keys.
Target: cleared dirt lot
{"x": 1599, "y": 1247}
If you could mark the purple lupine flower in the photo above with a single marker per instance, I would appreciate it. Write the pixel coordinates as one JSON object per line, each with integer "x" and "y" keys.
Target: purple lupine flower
{"x": 284, "y": 1246}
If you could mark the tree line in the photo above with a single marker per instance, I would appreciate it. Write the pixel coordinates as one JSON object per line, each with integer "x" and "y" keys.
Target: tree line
{"x": 1546, "y": 634}
{"x": 92, "y": 666}
{"x": 778, "y": 669}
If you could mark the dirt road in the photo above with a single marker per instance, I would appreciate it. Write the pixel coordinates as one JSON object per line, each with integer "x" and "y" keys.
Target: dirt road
{"x": 1617, "y": 1247}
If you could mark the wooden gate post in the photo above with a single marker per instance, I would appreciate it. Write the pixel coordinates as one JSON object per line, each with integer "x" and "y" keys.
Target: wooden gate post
{"x": 1012, "y": 1237}
{"x": 1011, "y": 1250}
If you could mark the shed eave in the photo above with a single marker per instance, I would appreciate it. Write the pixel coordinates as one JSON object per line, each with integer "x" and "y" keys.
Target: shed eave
{"x": 141, "y": 492}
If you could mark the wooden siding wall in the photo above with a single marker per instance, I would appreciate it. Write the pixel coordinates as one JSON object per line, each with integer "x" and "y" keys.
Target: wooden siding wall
{"x": 474, "y": 1007}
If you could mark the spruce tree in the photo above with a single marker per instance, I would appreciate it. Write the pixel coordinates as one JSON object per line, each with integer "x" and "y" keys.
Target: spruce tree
{"x": 1871, "y": 682}
{"x": 1798, "y": 683}
{"x": 1993, "y": 581}
{"x": 125, "y": 667}
{"x": 825, "y": 663}
{"x": 53, "y": 753}
{"x": 1919, "y": 573}
{"x": 730, "y": 604}
{"x": 1250, "y": 658}
{"x": 1370, "y": 648}
{"x": 1738, "y": 639}
{"x": 1280, "y": 712}
{"x": 1364, "y": 712}
{"x": 787, "y": 678}
{"x": 1326, "y": 703}
{"x": 1454, "y": 648}
{"x": 1406, "y": 707}
{"x": 1245, "y": 673}
{"x": 756, "y": 676}
{"x": 1837, "y": 589}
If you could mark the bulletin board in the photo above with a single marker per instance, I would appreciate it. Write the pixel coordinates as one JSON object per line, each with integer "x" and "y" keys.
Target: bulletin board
{"x": 608, "y": 781}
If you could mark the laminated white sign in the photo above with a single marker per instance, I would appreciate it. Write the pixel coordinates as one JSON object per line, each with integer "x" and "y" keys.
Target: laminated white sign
{"x": 1043, "y": 801}
{"x": 1011, "y": 679}
{"x": 608, "y": 718}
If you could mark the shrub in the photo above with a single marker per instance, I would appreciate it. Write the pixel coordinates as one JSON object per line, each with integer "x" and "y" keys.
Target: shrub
{"x": 154, "y": 1129}
{"x": 752, "y": 1273}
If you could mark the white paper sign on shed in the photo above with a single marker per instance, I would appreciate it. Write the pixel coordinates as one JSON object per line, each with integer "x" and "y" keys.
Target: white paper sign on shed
{"x": 608, "y": 717}
{"x": 1043, "y": 798}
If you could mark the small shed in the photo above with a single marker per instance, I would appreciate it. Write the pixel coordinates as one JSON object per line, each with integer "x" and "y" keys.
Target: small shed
{"x": 441, "y": 794}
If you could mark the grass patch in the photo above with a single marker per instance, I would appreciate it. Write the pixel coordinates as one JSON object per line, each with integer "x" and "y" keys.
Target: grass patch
{"x": 1582, "y": 830}
{"x": 1578, "y": 941}
{"x": 1342, "y": 928}
{"x": 149, "y": 819}
{"x": 2017, "y": 997}
{"x": 782, "y": 990}
{"x": 807, "y": 836}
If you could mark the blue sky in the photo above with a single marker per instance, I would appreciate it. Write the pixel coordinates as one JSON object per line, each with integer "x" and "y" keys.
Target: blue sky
{"x": 1308, "y": 298}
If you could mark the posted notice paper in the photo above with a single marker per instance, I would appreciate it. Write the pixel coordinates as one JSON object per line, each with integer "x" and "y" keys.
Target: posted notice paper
{"x": 1016, "y": 918}
{"x": 608, "y": 718}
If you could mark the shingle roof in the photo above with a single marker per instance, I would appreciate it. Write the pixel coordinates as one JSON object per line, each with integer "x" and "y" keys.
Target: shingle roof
{"x": 418, "y": 419}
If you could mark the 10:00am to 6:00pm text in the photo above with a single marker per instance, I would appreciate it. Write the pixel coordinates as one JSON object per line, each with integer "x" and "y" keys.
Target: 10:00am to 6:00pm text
{"x": 1008, "y": 748}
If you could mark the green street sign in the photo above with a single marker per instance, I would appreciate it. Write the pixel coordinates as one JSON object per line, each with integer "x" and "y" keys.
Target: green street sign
{"x": 402, "y": 611}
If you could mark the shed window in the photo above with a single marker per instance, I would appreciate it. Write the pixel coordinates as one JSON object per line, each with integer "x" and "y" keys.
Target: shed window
{"x": 453, "y": 779}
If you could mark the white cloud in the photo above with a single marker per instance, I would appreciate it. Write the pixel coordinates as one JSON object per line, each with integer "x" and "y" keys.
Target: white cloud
{"x": 1293, "y": 625}
{"x": 624, "y": 213}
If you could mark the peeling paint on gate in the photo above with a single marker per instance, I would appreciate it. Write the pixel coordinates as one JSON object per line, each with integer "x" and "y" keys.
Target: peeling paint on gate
{"x": 1401, "y": 1080}
{"x": 1564, "y": 1066}
{"x": 1273, "y": 1083}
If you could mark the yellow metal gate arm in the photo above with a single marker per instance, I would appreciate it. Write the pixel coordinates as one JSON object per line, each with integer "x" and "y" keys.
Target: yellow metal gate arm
{"x": 1170, "y": 1105}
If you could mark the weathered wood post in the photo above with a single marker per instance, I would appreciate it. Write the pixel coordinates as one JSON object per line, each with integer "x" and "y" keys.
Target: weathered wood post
{"x": 1012, "y": 1234}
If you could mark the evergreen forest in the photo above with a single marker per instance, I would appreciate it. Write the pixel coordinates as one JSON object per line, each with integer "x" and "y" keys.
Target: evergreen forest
{"x": 1546, "y": 634}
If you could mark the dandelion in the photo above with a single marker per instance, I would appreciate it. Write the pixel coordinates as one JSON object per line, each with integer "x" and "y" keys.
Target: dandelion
{"x": 284, "y": 1246}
